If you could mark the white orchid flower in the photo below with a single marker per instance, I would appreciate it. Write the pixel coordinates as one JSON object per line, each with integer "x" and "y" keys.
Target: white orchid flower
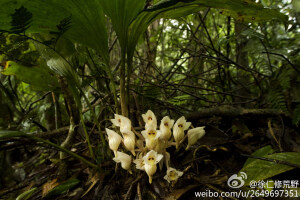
{"x": 129, "y": 141}
{"x": 117, "y": 120}
{"x": 178, "y": 130}
{"x": 114, "y": 140}
{"x": 165, "y": 128}
{"x": 124, "y": 159}
{"x": 194, "y": 135}
{"x": 139, "y": 162}
{"x": 123, "y": 122}
{"x": 150, "y": 170}
{"x": 172, "y": 174}
{"x": 150, "y": 160}
{"x": 151, "y": 136}
{"x": 150, "y": 119}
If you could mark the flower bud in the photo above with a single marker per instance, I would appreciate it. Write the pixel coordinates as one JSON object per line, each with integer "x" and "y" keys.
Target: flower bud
{"x": 114, "y": 140}
{"x": 124, "y": 159}
{"x": 117, "y": 120}
{"x": 123, "y": 122}
{"x": 165, "y": 128}
{"x": 129, "y": 141}
{"x": 178, "y": 130}
{"x": 194, "y": 135}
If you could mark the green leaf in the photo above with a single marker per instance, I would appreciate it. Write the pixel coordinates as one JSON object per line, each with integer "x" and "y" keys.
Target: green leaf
{"x": 260, "y": 152}
{"x": 87, "y": 21}
{"x": 121, "y": 13}
{"x": 64, "y": 187}
{"x": 60, "y": 63}
{"x": 37, "y": 76}
{"x": 260, "y": 169}
{"x": 21, "y": 20}
{"x": 27, "y": 194}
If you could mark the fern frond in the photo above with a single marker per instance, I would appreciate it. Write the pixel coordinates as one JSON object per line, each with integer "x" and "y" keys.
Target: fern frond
{"x": 296, "y": 115}
{"x": 63, "y": 26}
{"x": 21, "y": 20}
{"x": 284, "y": 78}
{"x": 277, "y": 100}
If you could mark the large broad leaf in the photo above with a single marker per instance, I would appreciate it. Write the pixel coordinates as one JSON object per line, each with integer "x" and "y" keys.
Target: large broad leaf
{"x": 37, "y": 76}
{"x": 260, "y": 153}
{"x": 81, "y": 21}
{"x": 121, "y": 13}
{"x": 257, "y": 169}
{"x": 244, "y": 10}
{"x": 60, "y": 63}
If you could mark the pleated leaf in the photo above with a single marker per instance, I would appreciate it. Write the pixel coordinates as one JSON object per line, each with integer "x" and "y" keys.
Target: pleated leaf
{"x": 121, "y": 14}
{"x": 39, "y": 77}
{"x": 87, "y": 21}
{"x": 258, "y": 170}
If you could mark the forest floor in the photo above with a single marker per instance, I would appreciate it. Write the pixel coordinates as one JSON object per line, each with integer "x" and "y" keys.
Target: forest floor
{"x": 207, "y": 166}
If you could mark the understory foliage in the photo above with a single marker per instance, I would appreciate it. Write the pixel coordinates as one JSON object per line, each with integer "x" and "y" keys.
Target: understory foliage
{"x": 69, "y": 66}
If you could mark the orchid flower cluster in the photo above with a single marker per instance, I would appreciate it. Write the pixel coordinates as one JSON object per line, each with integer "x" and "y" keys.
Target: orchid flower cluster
{"x": 150, "y": 148}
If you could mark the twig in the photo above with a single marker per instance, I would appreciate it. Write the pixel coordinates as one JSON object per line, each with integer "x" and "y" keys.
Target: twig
{"x": 139, "y": 191}
{"x": 273, "y": 135}
{"x": 127, "y": 196}
{"x": 53, "y": 133}
{"x": 285, "y": 58}
{"x": 30, "y": 106}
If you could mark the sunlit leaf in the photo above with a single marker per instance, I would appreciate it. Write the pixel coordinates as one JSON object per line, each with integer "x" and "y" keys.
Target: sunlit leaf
{"x": 260, "y": 169}
{"x": 87, "y": 24}
{"x": 260, "y": 152}
{"x": 37, "y": 76}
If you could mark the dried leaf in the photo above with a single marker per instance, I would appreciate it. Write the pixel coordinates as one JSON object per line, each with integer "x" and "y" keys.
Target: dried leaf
{"x": 49, "y": 186}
